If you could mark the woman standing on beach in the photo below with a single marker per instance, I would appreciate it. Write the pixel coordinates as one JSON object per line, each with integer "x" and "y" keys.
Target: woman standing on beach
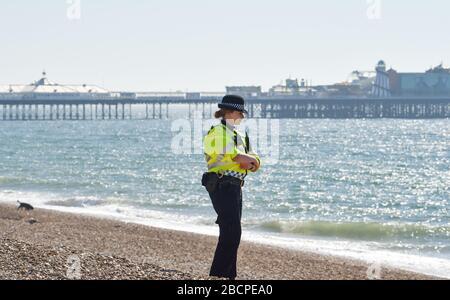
{"x": 229, "y": 157}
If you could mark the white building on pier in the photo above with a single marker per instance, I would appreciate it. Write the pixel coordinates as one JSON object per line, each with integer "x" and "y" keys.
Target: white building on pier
{"x": 45, "y": 89}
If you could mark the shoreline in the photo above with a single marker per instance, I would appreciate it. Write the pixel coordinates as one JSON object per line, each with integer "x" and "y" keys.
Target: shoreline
{"x": 355, "y": 250}
{"x": 113, "y": 249}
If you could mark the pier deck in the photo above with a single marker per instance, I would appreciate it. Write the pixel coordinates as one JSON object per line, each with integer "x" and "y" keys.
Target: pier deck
{"x": 159, "y": 108}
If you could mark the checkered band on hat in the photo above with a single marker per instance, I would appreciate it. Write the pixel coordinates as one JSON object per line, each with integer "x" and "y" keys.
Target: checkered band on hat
{"x": 234, "y": 106}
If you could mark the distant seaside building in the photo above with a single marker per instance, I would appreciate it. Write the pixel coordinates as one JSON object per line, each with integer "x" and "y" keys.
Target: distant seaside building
{"x": 244, "y": 91}
{"x": 381, "y": 87}
{"x": 45, "y": 89}
{"x": 434, "y": 82}
{"x": 292, "y": 88}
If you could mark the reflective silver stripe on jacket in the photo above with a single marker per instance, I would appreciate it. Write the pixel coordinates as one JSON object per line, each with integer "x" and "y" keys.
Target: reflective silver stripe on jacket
{"x": 220, "y": 164}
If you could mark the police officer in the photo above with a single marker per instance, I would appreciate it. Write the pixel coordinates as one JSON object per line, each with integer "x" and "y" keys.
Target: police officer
{"x": 230, "y": 158}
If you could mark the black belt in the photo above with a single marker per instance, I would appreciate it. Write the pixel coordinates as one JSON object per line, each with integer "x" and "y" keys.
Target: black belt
{"x": 232, "y": 180}
{"x": 212, "y": 180}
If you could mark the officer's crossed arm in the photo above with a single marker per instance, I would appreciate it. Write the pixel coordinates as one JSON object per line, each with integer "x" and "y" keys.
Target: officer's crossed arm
{"x": 250, "y": 158}
{"x": 245, "y": 159}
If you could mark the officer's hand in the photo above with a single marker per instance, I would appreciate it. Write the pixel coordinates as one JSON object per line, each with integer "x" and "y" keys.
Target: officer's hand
{"x": 255, "y": 166}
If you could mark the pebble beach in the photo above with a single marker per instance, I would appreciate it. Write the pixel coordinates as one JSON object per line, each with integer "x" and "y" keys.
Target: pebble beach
{"x": 42, "y": 245}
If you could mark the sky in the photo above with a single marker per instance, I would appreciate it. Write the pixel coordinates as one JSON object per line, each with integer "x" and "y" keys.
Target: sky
{"x": 205, "y": 45}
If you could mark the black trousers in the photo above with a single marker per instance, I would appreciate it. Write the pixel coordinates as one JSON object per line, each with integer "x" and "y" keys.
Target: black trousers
{"x": 227, "y": 202}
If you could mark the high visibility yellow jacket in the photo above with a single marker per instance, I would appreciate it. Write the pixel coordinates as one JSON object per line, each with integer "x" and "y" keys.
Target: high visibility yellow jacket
{"x": 221, "y": 145}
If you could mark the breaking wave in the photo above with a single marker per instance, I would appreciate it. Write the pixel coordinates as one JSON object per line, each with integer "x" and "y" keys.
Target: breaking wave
{"x": 357, "y": 231}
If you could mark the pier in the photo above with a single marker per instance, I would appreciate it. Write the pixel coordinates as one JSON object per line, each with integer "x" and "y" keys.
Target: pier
{"x": 283, "y": 108}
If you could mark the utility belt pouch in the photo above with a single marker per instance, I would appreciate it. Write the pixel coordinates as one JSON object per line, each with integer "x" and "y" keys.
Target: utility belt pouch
{"x": 210, "y": 181}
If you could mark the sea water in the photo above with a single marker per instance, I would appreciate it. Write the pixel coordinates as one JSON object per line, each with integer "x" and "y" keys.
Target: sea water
{"x": 377, "y": 190}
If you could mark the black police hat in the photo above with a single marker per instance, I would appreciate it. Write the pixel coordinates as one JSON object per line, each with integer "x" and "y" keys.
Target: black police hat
{"x": 233, "y": 102}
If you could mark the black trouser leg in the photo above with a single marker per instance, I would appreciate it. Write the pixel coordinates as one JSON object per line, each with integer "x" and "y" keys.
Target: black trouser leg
{"x": 227, "y": 202}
